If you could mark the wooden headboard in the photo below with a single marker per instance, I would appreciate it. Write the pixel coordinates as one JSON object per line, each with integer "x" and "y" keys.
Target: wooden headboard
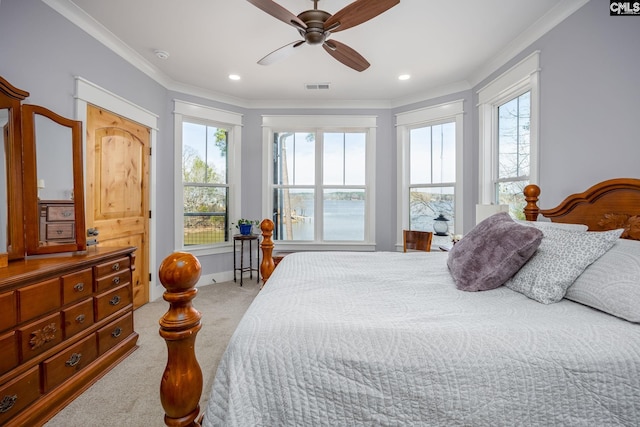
{"x": 611, "y": 204}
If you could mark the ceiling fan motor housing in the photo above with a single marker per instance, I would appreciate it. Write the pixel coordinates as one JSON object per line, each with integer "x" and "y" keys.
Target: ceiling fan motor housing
{"x": 315, "y": 19}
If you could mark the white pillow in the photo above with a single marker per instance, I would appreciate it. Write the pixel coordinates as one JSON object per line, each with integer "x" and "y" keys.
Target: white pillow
{"x": 561, "y": 257}
{"x": 545, "y": 225}
{"x": 612, "y": 283}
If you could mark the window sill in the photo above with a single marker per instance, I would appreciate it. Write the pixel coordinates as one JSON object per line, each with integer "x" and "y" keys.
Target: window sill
{"x": 203, "y": 251}
{"x": 300, "y": 246}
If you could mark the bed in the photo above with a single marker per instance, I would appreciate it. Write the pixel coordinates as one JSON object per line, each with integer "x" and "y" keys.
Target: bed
{"x": 388, "y": 338}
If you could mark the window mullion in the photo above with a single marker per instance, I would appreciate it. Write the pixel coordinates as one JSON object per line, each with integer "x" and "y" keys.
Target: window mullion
{"x": 319, "y": 186}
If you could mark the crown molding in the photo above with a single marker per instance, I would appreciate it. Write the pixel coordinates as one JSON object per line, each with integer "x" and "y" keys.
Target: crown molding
{"x": 81, "y": 19}
{"x": 546, "y": 23}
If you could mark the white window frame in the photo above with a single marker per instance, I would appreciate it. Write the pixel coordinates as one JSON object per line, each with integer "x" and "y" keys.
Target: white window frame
{"x": 430, "y": 116}
{"x": 281, "y": 123}
{"x": 183, "y": 111}
{"x": 521, "y": 78}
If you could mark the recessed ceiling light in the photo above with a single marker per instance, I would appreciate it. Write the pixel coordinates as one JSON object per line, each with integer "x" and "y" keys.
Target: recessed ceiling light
{"x": 234, "y": 77}
{"x": 161, "y": 54}
{"x": 404, "y": 77}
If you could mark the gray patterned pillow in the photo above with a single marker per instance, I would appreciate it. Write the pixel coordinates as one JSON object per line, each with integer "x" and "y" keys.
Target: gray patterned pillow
{"x": 612, "y": 283}
{"x": 545, "y": 225}
{"x": 491, "y": 253}
{"x": 561, "y": 257}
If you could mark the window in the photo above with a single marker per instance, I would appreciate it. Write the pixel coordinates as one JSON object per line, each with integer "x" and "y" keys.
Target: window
{"x": 205, "y": 184}
{"x": 508, "y": 114}
{"x": 514, "y": 118}
{"x": 320, "y": 180}
{"x": 207, "y": 145}
{"x": 429, "y": 169}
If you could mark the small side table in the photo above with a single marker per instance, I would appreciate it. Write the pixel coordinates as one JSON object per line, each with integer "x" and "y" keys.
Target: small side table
{"x": 246, "y": 238}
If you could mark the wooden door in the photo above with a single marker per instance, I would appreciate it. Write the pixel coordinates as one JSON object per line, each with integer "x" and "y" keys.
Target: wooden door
{"x": 117, "y": 203}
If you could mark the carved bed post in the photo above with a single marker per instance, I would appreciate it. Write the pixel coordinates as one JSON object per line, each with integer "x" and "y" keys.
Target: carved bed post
{"x": 531, "y": 194}
{"x": 181, "y": 384}
{"x": 267, "y": 266}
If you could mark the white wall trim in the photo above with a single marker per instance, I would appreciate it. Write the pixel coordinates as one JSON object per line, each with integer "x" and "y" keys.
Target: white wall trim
{"x": 305, "y": 123}
{"x": 518, "y": 79}
{"x": 293, "y": 122}
{"x": 428, "y": 116}
{"x": 78, "y": 17}
{"x": 233, "y": 122}
{"x": 90, "y": 93}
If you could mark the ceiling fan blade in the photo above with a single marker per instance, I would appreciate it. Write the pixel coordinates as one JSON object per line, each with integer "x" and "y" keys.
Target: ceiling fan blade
{"x": 281, "y": 53}
{"x": 357, "y": 12}
{"x": 346, "y": 55}
{"x": 279, "y": 12}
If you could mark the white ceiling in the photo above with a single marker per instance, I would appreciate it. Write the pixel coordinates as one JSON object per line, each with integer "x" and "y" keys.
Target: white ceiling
{"x": 445, "y": 45}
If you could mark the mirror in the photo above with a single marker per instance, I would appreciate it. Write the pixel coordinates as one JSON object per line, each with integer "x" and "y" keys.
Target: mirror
{"x": 11, "y": 211}
{"x": 53, "y": 182}
{"x": 4, "y": 180}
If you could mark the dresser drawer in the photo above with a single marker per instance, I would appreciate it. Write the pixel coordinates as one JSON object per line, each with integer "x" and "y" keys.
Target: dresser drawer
{"x": 60, "y": 231}
{"x": 77, "y": 317}
{"x": 8, "y": 352}
{"x": 115, "y": 332}
{"x": 40, "y": 336}
{"x": 77, "y": 286}
{"x": 65, "y": 364}
{"x": 61, "y": 213}
{"x": 108, "y": 268}
{"x": 112, "y": 301}
{"x": 18, "y": 393}
{"x": 38, "y": 299}
{"x": 8, "y": 313}
{"x": 115, "y": 279}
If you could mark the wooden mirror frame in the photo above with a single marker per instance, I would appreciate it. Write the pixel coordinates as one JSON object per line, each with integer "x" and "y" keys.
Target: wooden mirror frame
{"x": 34, "y": 243}
{"x": 10, "y": 98}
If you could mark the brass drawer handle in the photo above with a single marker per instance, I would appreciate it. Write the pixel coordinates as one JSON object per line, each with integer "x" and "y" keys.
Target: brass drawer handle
{"x": 115, "y": 300}
{"x": 80, "y": 318}
{"x": 116, "y": 266}
{"x": 67, "y": 214}
{"x": 59, "y": 231}
{"x": 78, "y": 287}
{"x": 73, "y": 360}
{"x": 116, "y": 332}
{"x": 116, "y": 280}
{"x": 7, "y": 403}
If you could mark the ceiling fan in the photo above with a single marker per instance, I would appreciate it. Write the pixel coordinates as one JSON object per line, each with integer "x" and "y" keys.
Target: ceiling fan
{"x": 315, "y": 26}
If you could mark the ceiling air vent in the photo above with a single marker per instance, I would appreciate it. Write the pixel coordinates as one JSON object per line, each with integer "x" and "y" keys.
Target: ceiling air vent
{"x": 314, "y": 86}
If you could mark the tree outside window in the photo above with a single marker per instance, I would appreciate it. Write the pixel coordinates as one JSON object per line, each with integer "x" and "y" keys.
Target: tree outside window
{"x": 205, "y": 184}
{"x": 514, "y": 126}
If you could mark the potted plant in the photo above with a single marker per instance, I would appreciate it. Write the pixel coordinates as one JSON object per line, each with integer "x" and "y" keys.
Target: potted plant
{"x": 245, "y": 225}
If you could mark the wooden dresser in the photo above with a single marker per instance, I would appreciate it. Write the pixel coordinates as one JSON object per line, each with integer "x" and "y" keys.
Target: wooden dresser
{"x": 57, "y": 220}
{"x": 64, "y": 322}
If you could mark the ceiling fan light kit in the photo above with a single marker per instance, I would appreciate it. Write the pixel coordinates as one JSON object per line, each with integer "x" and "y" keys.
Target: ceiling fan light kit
{"x": 315, "y": 26}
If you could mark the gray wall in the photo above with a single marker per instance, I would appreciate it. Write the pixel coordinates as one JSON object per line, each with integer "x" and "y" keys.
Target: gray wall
{"x": 590, "y": 101}
{"x": 590, "y": 106}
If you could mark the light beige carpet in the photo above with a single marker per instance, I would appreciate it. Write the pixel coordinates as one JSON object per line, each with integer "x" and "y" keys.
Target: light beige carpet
{"x": 129, "y": 395}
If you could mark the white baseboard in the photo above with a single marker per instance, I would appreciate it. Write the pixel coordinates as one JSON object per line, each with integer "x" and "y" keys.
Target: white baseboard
{"x": 210, "y": 279}
{"x": 205, "y": 279}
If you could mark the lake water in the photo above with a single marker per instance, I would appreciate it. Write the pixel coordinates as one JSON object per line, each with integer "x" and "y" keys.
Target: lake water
{"x": 343, "y": 221}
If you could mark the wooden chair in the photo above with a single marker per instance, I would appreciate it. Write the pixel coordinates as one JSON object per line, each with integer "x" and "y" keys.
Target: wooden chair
{"x": 417, "y": 240}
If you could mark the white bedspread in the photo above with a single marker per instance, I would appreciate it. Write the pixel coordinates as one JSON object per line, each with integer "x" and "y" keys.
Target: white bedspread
{"x": 385, "y": 339}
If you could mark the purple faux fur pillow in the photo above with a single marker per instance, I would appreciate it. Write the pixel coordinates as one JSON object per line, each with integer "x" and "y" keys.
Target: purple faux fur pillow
{"x": 492, "y": 252}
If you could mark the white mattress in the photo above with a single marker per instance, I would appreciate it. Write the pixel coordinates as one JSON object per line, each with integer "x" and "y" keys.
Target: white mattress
{"x": 385, "y": 339}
